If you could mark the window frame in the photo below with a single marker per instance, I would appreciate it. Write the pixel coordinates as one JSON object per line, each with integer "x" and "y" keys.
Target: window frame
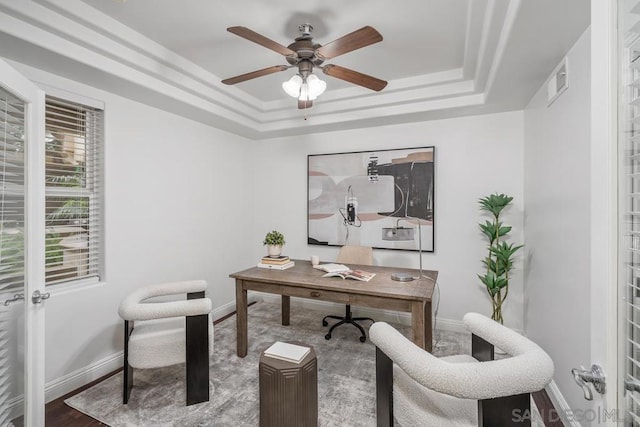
{"x": 93, "y": 191}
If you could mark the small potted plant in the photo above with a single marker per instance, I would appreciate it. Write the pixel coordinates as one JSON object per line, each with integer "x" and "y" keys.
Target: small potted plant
{"x": 499, "y": 260}
{"x": 274, "y": 241}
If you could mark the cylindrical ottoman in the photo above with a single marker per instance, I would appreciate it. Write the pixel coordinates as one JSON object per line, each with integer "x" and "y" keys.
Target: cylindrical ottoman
{"x": 289, "y": 391}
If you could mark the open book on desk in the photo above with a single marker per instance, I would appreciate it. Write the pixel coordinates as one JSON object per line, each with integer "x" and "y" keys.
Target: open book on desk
{"x": 332, "y": 268}
{"x": 363, "y": 276}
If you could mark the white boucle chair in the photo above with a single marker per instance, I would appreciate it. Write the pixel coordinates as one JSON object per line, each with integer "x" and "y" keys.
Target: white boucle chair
{"x": 164, "y": 333}
{"x": 420, "y": 389}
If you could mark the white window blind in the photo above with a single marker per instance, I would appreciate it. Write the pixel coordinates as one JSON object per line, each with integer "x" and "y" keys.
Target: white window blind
{"x": 629, "y": 147}
{"x": 12, "y": 191}
{"x": 73, "y": 190}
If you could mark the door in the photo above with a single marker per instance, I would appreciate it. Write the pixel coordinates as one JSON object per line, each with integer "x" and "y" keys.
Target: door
{"x": 627, "y": 386}
{"x": 21, "y": 250}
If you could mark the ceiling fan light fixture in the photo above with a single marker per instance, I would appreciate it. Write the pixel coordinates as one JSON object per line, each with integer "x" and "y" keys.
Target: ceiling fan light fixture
{"x": 315, "y": 87}
{"x": 292, "y": 86}
{"x": 305, "y": 90}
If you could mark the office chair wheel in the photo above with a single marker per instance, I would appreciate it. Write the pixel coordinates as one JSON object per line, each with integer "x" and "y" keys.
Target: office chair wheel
{"x": 363, "y": 339}
{"x": 324, "y": 323}
{"x": 327, "y": 337}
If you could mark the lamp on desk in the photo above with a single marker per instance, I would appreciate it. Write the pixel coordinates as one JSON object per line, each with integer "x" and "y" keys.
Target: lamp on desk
{"x": 404, "y": 233}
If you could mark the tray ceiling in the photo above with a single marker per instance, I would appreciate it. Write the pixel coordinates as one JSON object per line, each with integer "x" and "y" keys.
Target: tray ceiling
{"x": 442, "y": 58}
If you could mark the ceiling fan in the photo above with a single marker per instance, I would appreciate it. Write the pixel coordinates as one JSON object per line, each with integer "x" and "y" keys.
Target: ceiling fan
{"x": 305, "y": 54}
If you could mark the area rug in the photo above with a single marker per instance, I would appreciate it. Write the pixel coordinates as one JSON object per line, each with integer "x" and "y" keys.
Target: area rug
{"x": 346, "y": 377}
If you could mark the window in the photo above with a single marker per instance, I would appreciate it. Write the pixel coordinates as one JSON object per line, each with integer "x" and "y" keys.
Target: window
{"x": 73, "y": 190}
{"x": 12, "y": 181}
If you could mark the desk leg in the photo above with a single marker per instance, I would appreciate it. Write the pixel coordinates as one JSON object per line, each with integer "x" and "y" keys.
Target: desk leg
{"x": 286, "y": 309}
{"x": 428, "y": 327}
{"x": 241, "y": 319}
{"x": 421, "y": 324}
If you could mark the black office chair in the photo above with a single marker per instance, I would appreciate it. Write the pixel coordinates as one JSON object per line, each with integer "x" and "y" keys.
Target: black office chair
{"x": 351, "y": 255}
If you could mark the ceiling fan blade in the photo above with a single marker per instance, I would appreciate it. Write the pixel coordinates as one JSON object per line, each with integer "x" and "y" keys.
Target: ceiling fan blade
{"x": 251, "y": 35}
{"x": 304, "y": 104}
{"x": 254, "y": 74}
{"x": 354, "y": 77}
{"x": 352, "y": 41}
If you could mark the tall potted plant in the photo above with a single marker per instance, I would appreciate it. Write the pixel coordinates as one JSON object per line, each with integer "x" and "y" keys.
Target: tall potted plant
{"x": 499, "y": 260}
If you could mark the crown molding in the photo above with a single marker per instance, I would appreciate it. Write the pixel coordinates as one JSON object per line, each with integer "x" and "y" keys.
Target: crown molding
{"x": 75, "y": 33}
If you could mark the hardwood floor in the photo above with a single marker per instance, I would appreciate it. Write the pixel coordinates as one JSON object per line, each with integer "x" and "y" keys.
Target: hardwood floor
{"x": 549, "y": 414}
{"x": 58, "y": 414}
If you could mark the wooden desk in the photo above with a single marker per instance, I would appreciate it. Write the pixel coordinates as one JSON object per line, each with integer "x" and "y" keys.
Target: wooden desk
{"x": 304, "y": 281}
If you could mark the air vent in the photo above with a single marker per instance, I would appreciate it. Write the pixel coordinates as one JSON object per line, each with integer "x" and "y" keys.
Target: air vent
{"x": 558, "y": 82}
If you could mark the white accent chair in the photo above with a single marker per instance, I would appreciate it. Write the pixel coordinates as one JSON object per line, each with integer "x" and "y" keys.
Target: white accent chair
{"x": 362, "y": 255}
{"x": 420, "y": 389}
{"x": 164, "y": 333}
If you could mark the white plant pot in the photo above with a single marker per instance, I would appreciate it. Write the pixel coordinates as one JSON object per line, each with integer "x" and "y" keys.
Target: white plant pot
{"x": 274, "y": 250}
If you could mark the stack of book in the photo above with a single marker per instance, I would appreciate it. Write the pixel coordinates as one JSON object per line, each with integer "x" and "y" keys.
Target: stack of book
{"x": 277, "y": 263}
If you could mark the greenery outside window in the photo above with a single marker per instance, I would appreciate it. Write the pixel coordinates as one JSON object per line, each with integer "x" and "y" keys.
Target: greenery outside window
{"x": 73, "y": 190}
{"x": 12, "y": 190}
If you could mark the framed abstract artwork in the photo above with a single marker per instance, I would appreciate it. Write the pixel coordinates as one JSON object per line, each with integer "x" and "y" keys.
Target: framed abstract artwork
{"x": 383, "y": 199}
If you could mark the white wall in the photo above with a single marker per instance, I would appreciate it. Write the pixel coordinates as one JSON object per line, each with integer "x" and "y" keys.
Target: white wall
{"x": 557, "y": 222}
{"x": 176, "y": 207}
{"x": 184, "y": 200}
{"x": 475, "y": 156}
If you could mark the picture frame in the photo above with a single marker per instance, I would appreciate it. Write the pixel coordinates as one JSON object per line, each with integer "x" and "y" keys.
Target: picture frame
{"x": 383, "y": 199}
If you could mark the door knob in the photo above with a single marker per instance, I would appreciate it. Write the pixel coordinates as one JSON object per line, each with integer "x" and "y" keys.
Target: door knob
{"x": 594, "y": 376}
{"x": 631, "y": 384}
{"x": 37, "y": 297}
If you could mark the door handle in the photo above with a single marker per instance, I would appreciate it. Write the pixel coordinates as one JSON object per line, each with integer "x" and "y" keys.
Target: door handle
{"x": 631, "y": 384}
{"x": 37, "y": 297}
{"x": 594, "y": 376}
{"x": 16, "y": 297}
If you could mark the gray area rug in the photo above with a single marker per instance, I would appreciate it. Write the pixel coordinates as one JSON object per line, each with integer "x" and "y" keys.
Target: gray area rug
{"x": 346, "y": 377}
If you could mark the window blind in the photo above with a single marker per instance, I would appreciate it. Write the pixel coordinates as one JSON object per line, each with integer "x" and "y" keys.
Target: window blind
{"x": 12, "y": 191}
{"x": 629, "y": 200}
{"x": 73, "y": 190}
{"x": 12, "y": 209}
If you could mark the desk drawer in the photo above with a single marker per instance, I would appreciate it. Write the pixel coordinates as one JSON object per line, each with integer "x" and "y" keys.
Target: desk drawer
{"x": 317, "y": 294}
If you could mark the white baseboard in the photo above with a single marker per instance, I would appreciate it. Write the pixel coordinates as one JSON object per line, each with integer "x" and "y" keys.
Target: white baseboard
{"x": 76, "y": 379}
{"x": 560, "y": 404}
{"x": 70, "y": 382}
{"x": 226, "y": 309}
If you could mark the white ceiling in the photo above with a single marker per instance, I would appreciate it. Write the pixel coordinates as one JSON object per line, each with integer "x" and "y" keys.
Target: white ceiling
{"x": 420, "y": 37}
{"x": 442, "y": 58}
